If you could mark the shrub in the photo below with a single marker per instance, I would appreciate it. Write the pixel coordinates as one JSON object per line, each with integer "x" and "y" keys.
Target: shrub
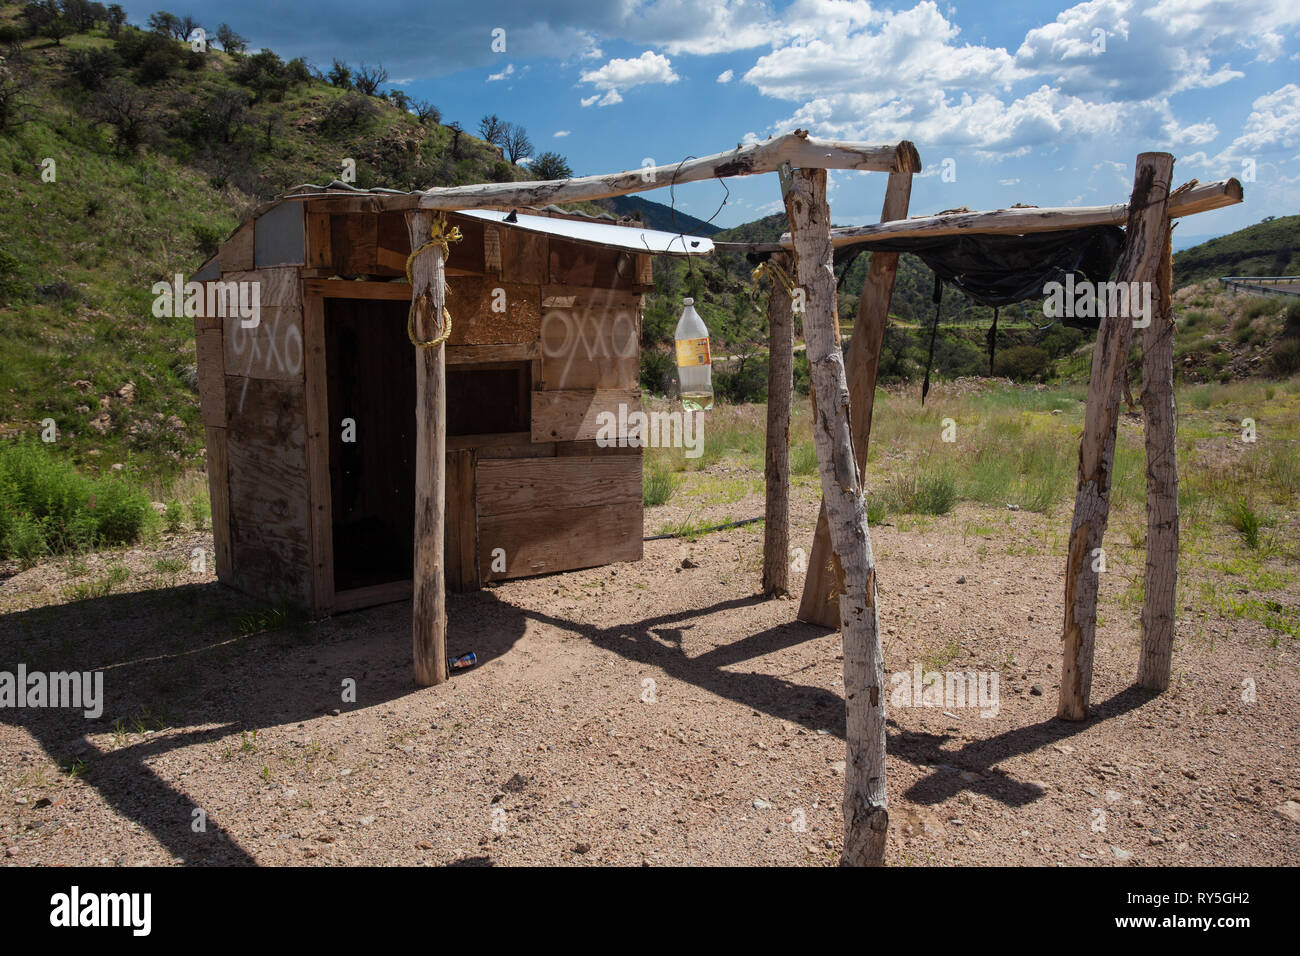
{"x": 803, "y": 459}
{"x": 1259, "y": 307}
{"x": 200, "y": 511}
{"x": 1291, "y": 328}
{"x": 1022, "y": 363}
{"x": 173, "y": 516}
{"x": 658, "y": 371}
{"x": 47, "y": 506}
{"x": 1242, "y": 515}
{"x": 1286, "y": 357}
{"x": 657, "y": 486}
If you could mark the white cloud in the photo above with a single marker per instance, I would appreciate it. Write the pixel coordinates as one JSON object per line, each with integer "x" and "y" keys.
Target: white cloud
{"x": 619, "y": 75}
{"x": 726, "y": 76}
{"x": 1008, "y": 182}
{"x": 508, "y": 71}
{"x": 561, "y": 132}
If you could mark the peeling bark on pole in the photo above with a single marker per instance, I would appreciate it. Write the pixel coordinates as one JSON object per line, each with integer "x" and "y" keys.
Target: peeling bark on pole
{"x": 429, "y": 600}
{"x": 866, "y": 815}
{"x": 1144, "y": 240}
{"x": 1161, "y": 583}
{"x": 825, "y": 580}
{"x": 780, "y": 388}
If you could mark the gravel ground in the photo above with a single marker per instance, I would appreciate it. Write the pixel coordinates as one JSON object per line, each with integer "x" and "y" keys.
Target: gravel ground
{"x": 635, "y": 714}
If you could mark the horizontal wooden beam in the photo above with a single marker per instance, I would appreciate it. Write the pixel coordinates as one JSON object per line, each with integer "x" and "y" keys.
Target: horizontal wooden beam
{"x": 1186, "y": 201}
{"x": 797, "y": 149}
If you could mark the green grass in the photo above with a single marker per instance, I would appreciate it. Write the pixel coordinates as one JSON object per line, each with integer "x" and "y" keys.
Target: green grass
{"x": 48, "y": 507}
{"x": 657, "y": 485}
{"x": 1241, "y": 514}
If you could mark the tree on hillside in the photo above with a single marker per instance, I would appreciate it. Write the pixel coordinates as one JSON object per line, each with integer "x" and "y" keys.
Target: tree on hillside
{"x": 456, "y": 130}
{"x": 426, "y": 112}
{"x": 38, "y": 15}
{"x": 116, "y": 19}
{"x": 340, "y": 75}
{"x": 399, "y": 99}
{"x": 370, "y": 78}
{"x": 83, "y": 15}
{"x": 551, "y": 166}
{"x": 165, "y": 24}
{"x": 231, "y": 42}
{"x": 516, "y": 142}
{"x": 124, "y": 107}
{"x": 188, "y": 26}
{"x": 58, "y": 28}
{"x": 12, "y": 86}
{"x": 492, "y": 129}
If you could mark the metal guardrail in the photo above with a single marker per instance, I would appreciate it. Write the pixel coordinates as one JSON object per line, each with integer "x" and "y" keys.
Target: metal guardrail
{"x": 1260, "y": 284}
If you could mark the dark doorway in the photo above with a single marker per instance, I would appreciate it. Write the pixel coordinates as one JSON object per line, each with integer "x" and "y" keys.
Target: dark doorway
{"x": 372, "y": 478}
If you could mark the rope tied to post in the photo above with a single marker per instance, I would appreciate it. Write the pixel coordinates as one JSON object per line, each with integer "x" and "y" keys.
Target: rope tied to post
{"x": 774, "y": 274}
{"x": 442, "y": 236}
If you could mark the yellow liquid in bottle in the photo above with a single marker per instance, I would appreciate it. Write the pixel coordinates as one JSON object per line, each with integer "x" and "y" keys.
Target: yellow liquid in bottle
{"x": 697, "y": 401}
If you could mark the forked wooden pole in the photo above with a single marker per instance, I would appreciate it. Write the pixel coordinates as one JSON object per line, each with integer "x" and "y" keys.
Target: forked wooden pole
{"x": 866, "y": 803}
{"x": 429, "y": 601}
{"x": 825, "y": 580}
{"x": 1144, "y": 241}
{"x": 780, "y": 388}
{"x": 1161, "y": 583}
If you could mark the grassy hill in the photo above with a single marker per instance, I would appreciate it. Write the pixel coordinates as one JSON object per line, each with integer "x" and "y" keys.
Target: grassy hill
{"x": 1268, "y": 248}
{"x": 128, "y": 158}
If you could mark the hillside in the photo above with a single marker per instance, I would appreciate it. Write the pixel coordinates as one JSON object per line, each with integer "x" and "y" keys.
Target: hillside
{"x": 128, "y": 157}
{"x": 1268, "y": 248}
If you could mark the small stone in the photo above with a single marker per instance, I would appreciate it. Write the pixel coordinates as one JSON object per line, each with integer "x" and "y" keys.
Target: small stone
{"x": 688, "y": 563}
{"x": 961, "y": 580}
{"x": 1122, "y": 855}
{"x": 1036, "y": 690}
{"x": 1189, "y": 774}
{"x": 761, "y": 804}
{"x": 1290, "y": 810}
{"x": 838, "y": 766}
{"x": 1113, "y": 795}
{"x": 582, "y": 848}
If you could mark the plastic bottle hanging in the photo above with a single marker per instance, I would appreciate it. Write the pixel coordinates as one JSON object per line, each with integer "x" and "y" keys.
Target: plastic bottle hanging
{"x": 694, "y": 364}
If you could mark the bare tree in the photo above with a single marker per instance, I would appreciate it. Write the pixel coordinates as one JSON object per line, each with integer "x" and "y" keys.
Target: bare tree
{"x": 493, "y": 130}
{"x": 456, "y": 130}
{"x": 125, "y": 108}
{"x": 516, "y": 142}
{"x": 370, "y": 78}
{"x": 12, "y": 85}
{"x": 231, "y": 42}
{"x": 426, "y": 112}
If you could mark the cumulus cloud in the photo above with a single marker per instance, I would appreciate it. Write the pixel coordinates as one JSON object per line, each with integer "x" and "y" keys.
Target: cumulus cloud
{"x": 619, "y": 75}
{"x": 561, "y": 132}
{"x": 726, "y": 76}
{"x": 504, "y": 74}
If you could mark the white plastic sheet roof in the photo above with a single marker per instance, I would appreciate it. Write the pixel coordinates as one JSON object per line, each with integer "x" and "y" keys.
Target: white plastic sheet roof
{"x": 624, "y": 237}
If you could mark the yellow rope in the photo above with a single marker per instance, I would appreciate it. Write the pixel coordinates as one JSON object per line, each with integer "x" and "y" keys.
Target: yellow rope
{"x": 774, "y": 273}
{"x": 442, "y": 237}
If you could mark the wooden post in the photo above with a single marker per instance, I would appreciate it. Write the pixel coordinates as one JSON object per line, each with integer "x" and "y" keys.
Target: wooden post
{"x": 1143, "y": 246}
{"x": 866, "y": 802}
{"x": 780, "y": 388}
{"x": 825, "y": 579}
{"x": 1161, "y": 583}
{"x": 429, "y": 600}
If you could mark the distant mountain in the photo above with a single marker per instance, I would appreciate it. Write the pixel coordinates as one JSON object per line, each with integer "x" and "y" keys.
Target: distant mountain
{"x": 1267, "y": 248}
{"x": 656, "y": 215}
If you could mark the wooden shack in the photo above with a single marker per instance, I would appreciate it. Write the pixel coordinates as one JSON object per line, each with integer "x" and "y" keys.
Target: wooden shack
{"x": 310, "y": 413}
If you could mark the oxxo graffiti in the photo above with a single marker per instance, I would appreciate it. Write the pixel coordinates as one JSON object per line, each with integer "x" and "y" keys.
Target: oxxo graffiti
{"x": 219, "y": 300}
{"x": 587, "y": 334}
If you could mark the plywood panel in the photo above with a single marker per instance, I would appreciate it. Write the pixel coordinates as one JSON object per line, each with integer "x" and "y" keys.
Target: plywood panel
{"x": 212, "y": 376}
{"x": 572, "y": 414}
{"x": 218, "y": 466}
{"x": 461, "y": 545}
{"x": 272, "y": 349}
{"x": 269, "y": 515}
{"x": 560, "y": 539}
{"x": 354, "y": 243}
{"x": 470, "y": 301}
{"x": 237, "y": 252}
{"x": 589, "y": 338}
{"x": 534, "y": 485}
{"x": 278, "y": 288}
{"x": 319, "y": 254}
{"x": 316, "y": 397}
{"x": 524, "y": 256}
{"x": 577, "y": 263}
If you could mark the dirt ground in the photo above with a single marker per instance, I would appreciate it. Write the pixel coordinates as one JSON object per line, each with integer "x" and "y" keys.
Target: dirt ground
{"x": 640, "y": 714}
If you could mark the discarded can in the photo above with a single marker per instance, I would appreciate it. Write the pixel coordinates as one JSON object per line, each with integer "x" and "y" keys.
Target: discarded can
{"x": 464, "y": 662}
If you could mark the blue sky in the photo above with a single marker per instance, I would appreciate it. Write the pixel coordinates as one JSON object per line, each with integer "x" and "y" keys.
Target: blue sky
{"x": 1040, "y": 102}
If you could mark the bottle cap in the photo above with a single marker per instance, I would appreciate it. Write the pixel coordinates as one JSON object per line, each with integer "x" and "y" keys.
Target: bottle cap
{"x": 688, "y": 301}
